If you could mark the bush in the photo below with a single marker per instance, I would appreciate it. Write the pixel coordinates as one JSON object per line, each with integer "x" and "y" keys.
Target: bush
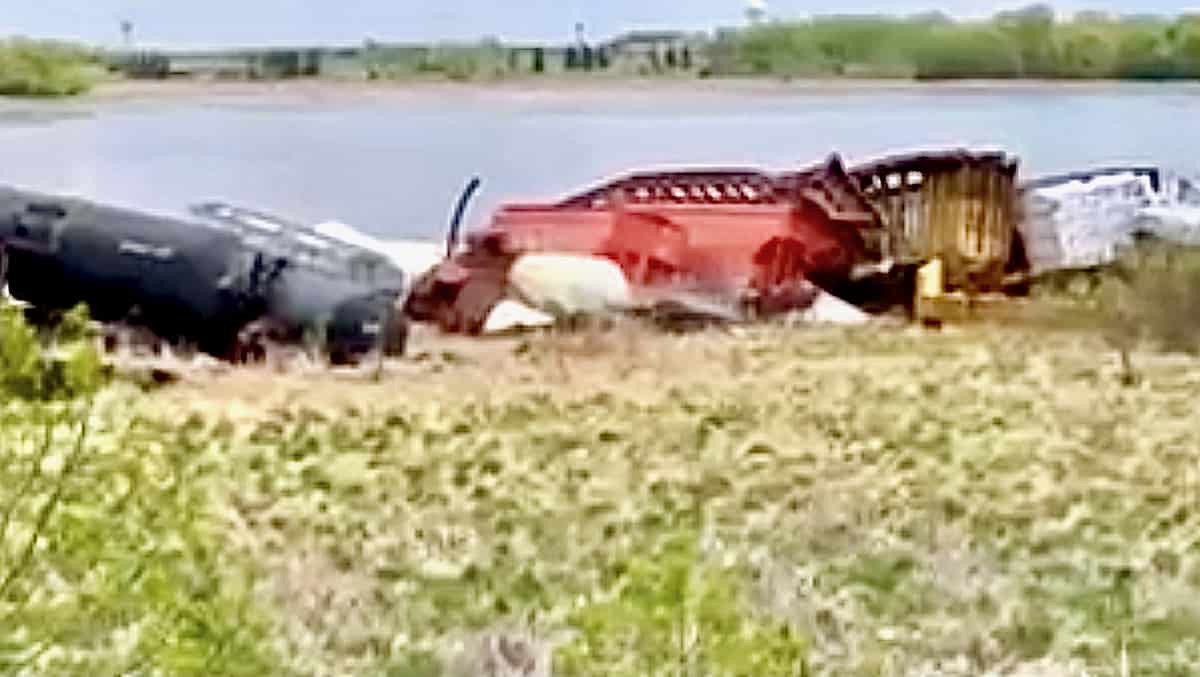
{"x": 110, "y": 562}
{"x": 1155, "y": 296}
{"x": 29, "y": 68}
{"x": 673, "y": 614}
{"x": 27, "y": 371}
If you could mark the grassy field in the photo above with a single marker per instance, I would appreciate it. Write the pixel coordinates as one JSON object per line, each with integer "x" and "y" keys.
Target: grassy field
{"x": 878, "y": 501}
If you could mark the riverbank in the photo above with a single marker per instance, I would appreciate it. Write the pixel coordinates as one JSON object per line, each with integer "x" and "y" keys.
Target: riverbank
{"x": 569, "y": 88}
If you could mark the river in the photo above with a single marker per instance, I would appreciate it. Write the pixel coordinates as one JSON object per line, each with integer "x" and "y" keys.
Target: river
{"x": 392, "y": 164}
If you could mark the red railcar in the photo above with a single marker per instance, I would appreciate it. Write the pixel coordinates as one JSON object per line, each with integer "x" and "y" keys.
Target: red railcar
{"x": 749, "y": 235}
{"x": 716, "y": 227}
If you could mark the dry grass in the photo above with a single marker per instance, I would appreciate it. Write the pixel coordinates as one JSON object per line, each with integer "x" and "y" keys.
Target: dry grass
{"x": 967, "y": 502}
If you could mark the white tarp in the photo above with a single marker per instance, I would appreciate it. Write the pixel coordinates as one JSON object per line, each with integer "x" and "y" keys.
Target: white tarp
{"x": 829, "y": 309}
{"x": 509, "y": 315}
{"x": 566, "y": 285}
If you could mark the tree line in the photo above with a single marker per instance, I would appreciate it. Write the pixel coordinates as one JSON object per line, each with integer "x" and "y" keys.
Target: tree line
{"x": 1027, "y": 43}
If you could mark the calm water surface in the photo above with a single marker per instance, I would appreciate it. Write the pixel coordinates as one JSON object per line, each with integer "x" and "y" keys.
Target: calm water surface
{"x": 393, "y": 166}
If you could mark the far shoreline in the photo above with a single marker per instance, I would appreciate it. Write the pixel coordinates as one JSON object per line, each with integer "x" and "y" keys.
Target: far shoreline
{"x": 317, "y": 90}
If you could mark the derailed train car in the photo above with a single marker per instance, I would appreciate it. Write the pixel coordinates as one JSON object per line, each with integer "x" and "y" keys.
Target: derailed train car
{"x": 956, "y": 206}
{"x": 755, "y": 238}
{"x": 1086, "y": 219}
{"x": 737, "y": 235}
{"x": 348, "y": 289}
{"x": 199, "y": 282}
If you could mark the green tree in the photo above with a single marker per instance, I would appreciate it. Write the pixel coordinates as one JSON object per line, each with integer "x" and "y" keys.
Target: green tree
{"x": 1031, "y": 30}
{"x": 1187, "y": 48}
{"x": 1144, "y": 54}
{"x": 778, "y": 50}
{"x": 1085, "y": 54}
{"x": 955, "y": 53}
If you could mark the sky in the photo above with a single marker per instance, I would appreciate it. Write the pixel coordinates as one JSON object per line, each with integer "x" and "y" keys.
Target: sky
{"x": 254, "y": 22}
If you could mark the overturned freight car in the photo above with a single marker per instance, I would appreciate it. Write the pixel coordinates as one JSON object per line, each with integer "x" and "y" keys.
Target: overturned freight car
{"x": 1085, "y": 219}
{"x": 742, "y": 235}
{"x": 959, "y": 207}
{"x": 756, "y": 240}
{"x": 204, "y": 282}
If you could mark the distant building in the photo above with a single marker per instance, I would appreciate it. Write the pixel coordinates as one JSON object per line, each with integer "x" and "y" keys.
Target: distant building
{"x": 656, "y": 52}
{"x": 344, "y": 64}
{"x": 380, "y": 60}
{"x": 239, "y": 64}
{"x": 539, "y": 59}
{"x": 635, "y": 53}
